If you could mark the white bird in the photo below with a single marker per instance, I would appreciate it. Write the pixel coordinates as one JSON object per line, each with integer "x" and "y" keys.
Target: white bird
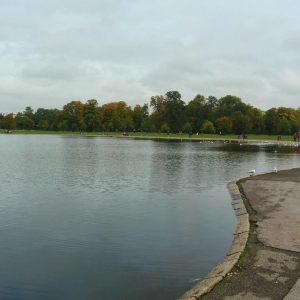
{"x": 275, "y": 170}
{"x": 251, "y": 172}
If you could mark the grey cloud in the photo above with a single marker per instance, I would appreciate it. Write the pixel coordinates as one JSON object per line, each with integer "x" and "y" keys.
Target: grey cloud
{"x": 53, "y": 70}
{"x": 52, "y": 52}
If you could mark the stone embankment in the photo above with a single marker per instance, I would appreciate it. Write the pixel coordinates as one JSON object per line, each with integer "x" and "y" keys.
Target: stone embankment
{"x": 264, "y": 259}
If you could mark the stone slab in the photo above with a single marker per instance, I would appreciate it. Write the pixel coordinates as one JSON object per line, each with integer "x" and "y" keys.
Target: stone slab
{"x": 231, "y": 183}
{"x": 202, "y": 287}
{"x": 240, "y": 211}
{"x": 294, "y": 293}
{"x": 238, "y": 205}
{"x": 278, "y": 210}
{"x": 234, "y": 192}
{"x": 224, "y": 267}
{"x": 233, "y": 187}
{"x": 236, "y": 201}
{"x": 243, "y": 224}
{"x": 236, "y": 197}
{"x": 239, "y": 243}
{"x": 245, "y": 296}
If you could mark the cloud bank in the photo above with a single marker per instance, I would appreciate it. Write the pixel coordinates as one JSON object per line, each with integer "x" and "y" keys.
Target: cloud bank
{"x": 52, "y": 53}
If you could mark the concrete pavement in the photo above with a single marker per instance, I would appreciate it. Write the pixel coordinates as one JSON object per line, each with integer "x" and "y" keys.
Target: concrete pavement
{"x": 264, "y": 259}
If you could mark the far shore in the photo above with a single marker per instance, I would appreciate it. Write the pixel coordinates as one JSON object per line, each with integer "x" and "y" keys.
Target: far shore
{"x": 144, "y": 135}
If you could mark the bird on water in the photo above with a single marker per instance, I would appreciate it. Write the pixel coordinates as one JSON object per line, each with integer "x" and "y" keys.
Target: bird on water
{"x": 251, "y": 172}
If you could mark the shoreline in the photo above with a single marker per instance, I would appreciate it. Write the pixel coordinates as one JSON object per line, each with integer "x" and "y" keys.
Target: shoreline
{"x": 183, "y": 138}
{"x": 263, "y": 261}
{"x": 237, "y": 247}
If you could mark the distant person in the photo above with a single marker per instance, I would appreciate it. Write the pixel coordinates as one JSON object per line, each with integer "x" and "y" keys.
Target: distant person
{"x": 298, "y": 136}
{"x": 295, "y": 136}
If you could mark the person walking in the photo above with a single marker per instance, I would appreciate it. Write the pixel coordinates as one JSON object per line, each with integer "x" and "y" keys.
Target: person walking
{"x": 298, "y": 136}
{"x": 295, "y": 136}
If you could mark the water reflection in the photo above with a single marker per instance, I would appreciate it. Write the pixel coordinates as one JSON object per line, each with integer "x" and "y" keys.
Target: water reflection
{"x": 94, "y": 218}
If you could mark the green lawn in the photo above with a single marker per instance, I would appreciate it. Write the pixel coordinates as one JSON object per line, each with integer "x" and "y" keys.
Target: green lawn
{"x": 162, "y": 135}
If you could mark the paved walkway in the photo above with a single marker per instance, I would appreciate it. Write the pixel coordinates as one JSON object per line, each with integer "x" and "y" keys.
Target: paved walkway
{"x": 264, "y": 260}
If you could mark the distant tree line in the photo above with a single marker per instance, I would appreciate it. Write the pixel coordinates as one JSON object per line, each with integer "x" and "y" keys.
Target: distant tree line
{"x": 169, "y": 113}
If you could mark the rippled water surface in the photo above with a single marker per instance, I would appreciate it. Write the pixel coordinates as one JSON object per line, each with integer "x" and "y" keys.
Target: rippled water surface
{"x": 108, "y": 218}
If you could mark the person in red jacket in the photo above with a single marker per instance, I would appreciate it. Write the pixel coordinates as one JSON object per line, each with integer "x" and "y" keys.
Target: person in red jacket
{"x": 298, "y": 135}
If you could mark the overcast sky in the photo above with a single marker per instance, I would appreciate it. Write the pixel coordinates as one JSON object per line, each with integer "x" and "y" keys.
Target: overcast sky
{"x": 56, "y": 51}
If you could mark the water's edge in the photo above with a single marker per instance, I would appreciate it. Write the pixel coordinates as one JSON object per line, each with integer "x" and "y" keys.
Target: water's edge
{"x": 238, "y": 245}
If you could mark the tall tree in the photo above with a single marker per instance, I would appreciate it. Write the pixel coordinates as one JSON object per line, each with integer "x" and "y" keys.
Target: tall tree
{"x": 224, "y": 125}
{"x": 196, "y": 112}
{"x": 108, "y": 111}
{"x": 240, "y": 123}
{"x": 28, "y": 112}
{"x": 9, "y": 122}
{"x": 91, "y": 115}
{"x": 228, "y": 105}
{"x": 174, "y": 110}
{"x": 28, "y": 124}
{"x": 51, "y": 115}
{"x": 44, "y": 124}
{"x": 159, "y": 108}
{"x": 211, "y": 103}
{"x": 73, "y": 113}
{"x": 138, "y": 115}
{"x": 207, "y": 127}
{"x": 272, "y": 121}
{"x": 256, "y": 119}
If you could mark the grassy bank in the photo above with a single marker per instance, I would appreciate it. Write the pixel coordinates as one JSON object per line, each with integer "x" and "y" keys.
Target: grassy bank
{"x": 161, "y": 135}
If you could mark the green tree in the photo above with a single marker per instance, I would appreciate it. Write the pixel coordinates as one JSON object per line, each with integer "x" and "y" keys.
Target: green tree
{"x": 272, "y": 121}
{"x": 73, "y": 113}
{"x": 148, "y": 125}
{"x": 208, "y": 127}
{"x": 44, "y": 125}
{"x": 138, "y": 115}
{"x": 145, "y": 108}
{"x": 9, "y": 122}
{"x": 128, "y": 124}
{"x": 116, "y": 123}
{"x": 285, "y": 127}
{"x": 51, "y": 115}
{"x": 91, "y": 115}
{"x": 196, "y": 112}
{"x": 224, "y": 125}
{"x": 240, "y": 123}
{"x": 165, "y": 128}
{"x": 28, "y": 124}
{"x": 23, "y": 122}
{"x": 174, "y": 113}
{"x": 187, "y": 127}
{"x": 28, "y": 112}
{"x": 228, "y": 105}
{"x": 158, "y": 115}
{"x": 294, "y": 125}
{"x": 63, "y": 126}
{"x": 211, "y": 103}
{"x": 257, "y": 120}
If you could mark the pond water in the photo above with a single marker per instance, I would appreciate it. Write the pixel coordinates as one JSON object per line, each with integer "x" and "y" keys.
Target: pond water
{"x": 112, "y": 218}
